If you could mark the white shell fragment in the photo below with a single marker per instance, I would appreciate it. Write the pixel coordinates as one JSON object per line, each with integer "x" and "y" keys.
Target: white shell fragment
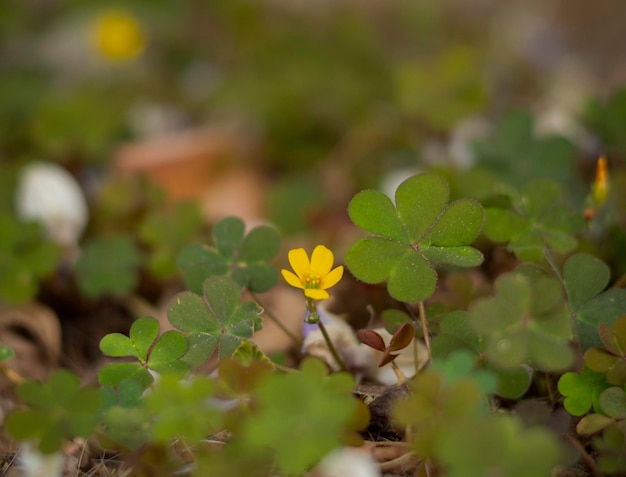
{"x": 347, "y": 461}
{"x": 47, "y": 193}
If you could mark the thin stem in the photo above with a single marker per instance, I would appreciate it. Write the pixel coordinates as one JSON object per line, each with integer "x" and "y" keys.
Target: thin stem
{"x": 14, "y": 376}
{"x": 422, "y": 315}
{"x": 399, "y": 374}
{"x": 401, "y": 461}
{"x": 331, "y": 346}
{"x": 586, "y": 458}
{"x": 276, "y": 321}
{"x": 553, "y": 265}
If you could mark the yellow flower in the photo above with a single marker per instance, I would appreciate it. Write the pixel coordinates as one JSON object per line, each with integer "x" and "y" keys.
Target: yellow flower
{"x": 117, "y": 36}
{"x": 315, "y": 276}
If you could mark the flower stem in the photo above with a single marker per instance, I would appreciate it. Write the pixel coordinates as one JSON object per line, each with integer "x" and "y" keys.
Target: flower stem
{"x": 312, "y": 309}
{"x": 399, "y": 374}
{"x": 422, "y": 315}
{"x": 276, "y": 321}
{"x": 331, "y": 346}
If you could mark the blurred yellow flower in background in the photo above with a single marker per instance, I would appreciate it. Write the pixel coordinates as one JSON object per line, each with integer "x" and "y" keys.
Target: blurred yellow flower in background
{"x": 118, "y": 36}
{"x": 314, "y": 276}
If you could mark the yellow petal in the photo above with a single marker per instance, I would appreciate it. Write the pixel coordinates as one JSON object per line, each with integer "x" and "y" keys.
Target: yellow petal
{"x": 299, "y": 261}
{"x": 333, "y": 277}
{"x": 290, "y": 278}
{"x": 316, "y": 294}
{"x": 321, "y": 261}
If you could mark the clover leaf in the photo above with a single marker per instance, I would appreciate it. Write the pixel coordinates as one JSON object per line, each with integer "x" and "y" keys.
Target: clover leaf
{"x": 534, "y": 219}
{"x": 25, "y": 258}
{"x": 192, "y": 418}
{"x": 167, "y": 232}
{"x": 108, "y": 266}
{"x": 504, "y": 445}
{"x": 456, "y": 335}
{"x": 160, "y": 354}
{"x": 525, "y": 322}
{"x": 612, "y": 446}
{"x": 214, "y": 320}
{"x": 409, "y": 238}
{"x": 612, "y": 358}
{"x": 236, "y": 255}
{"x": 437, "y": 405}
{"x": 58, "y": 410}
{"x": 516, "y": 155}
{"x": 585, "y": 277}
{"x": 581, "y": 390}
{"x": 301, "y": 416}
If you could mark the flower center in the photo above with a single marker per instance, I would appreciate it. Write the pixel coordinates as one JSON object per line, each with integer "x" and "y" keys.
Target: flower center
{"x": 312, "y": 281}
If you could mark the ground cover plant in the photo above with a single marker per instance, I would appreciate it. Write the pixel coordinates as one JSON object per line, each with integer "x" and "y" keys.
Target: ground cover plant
{"x": 383, "y": 267}
{"x": 497, "y": 369}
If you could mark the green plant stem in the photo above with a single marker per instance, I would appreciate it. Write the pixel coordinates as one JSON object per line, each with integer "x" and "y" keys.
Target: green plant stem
{"x": 553, "y": 266}
{"x": 331, "y": 346}
{"x": 422, "y": 315}
{"x": 276, "y": 321}
{"x": 399, "y": 374}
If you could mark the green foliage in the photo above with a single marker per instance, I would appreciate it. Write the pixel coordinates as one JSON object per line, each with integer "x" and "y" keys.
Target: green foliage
{"x": 161, "y": 355}
{"x": 462, "y": 363}
{"x": 57, "y": 411}
{"x": 435, "y": 406}
{"x": 525, "y": 322}
{"x": 108, "y": 266}
{"x": 581, "y": 391}
{"x": 610, "y": 360}
{"x": 444, "y": 90}
{"x": 534, "y": 220}
{"x": 420, "y": 231}
{"x": 25, "y": 258}
{"x": 215, "y": 320}
{"x": 242, "y": 258}
{"x": 6, "y": 353}
{"x": 167, "y": 233}
{"x": 183, "y": 409}
{"x": 585, "y": 277}
{"x": 498, "y": 445}
{"x": 612, "y": 445}
{"x": 301, "y": 416}
{"x": 606, "y": 118}
{"x": 457, "y": 335}
{"x": 124, "y": 416}
{"x": 517, "y": 156}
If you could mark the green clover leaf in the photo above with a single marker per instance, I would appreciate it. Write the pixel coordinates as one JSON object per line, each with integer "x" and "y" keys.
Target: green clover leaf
{"x": 160, "y": 354}
{"x": 192, "y": 418}
{"x": 167, "y": 232}
{"x": 214, "y": 320}
{"x": 534, "y": 219}
{"x": 525, "y": 322}
{"x": 108, "y": 266}
{"x": 611, "y": 359}
{"x": 301, "y": 416}
{"x": 240, "y": 257}
{"x": 515, "y": 154}
{"x": 422, "y": 230}
{"x": 456, "y": 335}
{"x": 58, "y": 410}
{"x": 504, "y": 445}
{"x": 582, "y": 391}
{"x": 585, "y": 276}
{"x": 436, "y": 405}
{"x": 26, "y": 256}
